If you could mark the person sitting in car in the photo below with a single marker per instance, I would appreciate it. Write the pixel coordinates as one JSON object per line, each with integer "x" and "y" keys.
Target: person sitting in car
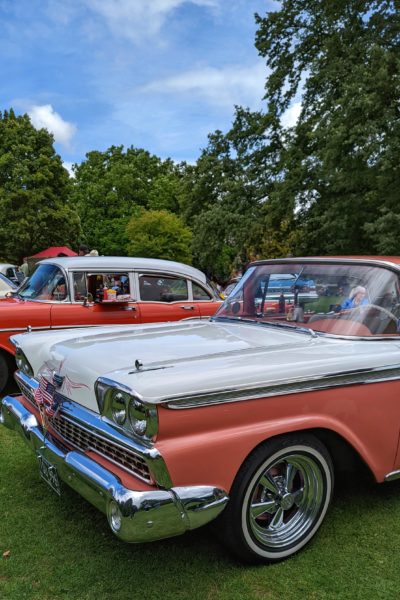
{"x": 116, "y": 284}
{"x": 357, "y": 297}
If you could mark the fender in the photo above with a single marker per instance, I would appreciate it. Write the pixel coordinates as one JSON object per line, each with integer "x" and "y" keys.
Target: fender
{"x": 222, "y": 449}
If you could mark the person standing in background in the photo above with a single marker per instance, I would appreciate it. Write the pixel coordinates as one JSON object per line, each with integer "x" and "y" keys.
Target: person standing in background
{"x": 24, "y": 268}
{"x": 84, "y": 251}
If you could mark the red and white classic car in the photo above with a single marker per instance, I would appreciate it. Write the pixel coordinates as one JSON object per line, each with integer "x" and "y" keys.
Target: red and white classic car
{"x": 67, "y": 292}
{"x": 245, "y": 417}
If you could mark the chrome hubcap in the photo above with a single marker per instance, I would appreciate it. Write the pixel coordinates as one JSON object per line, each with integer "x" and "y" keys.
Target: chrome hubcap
{"x": 286, "y": 500}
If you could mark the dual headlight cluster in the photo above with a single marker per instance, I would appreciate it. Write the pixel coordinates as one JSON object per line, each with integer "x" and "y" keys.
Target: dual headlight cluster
{"x": 23, "y": 363}
{"x": 125, "y": 409}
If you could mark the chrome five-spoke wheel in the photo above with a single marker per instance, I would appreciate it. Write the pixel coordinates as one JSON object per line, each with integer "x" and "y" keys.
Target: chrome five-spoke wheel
{"x": 279, "y": 498}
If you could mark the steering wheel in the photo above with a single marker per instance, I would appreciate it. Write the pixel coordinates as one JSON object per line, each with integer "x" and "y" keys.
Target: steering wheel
{"x": 367, "y": 307}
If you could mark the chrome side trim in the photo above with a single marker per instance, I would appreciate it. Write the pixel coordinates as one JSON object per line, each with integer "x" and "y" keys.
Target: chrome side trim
{"x": 293, "y": 386}
{"x": 82, "y": 326}
{"x": 134, "y": 516}
{"x": 16, "y": 328}
{"x": 392, "y": 476}
{"x": 92, "y": 325}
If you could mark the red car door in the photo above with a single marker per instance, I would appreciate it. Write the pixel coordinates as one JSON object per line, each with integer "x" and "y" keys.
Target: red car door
{"x": 115, "y": 313}
{"x": 86, "y": 309}
{"x": 205, "y": 303}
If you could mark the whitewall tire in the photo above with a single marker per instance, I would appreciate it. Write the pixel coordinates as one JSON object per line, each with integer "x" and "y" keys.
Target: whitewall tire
{"x": 279, "y": 498}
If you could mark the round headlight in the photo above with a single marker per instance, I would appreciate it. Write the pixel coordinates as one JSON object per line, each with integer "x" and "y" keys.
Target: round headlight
{"x": 118, "y": 408}
{"x": 137, "y": 417}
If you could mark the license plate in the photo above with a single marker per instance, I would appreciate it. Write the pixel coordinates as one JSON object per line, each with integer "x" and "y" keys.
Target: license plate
{"x": 48, "y": 472}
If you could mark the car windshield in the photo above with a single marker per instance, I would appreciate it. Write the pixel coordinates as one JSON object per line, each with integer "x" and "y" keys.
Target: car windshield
{"x": 46, "y": 283}
{"x": 346, "y": 299}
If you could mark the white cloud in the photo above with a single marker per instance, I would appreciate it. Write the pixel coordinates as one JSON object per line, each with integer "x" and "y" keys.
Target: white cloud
{"x": 291, "y": 115}
{"x": 68, "y": 166}
{"x": 45, "y": 116}
{"x": 220, "y": 87}
{"x": 135, "y": 19}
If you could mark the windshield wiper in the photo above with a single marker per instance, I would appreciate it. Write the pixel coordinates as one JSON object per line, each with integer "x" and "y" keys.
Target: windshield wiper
{"x": 235, "y": 319}
{"x": 313, "y": 333}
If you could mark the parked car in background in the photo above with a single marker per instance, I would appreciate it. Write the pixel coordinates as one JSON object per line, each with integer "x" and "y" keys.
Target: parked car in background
{"x": 6, "y": 286}
{"x": 11, "y": 272}
{"x": 246, "y": 417}
{"x": 70, "y": 292}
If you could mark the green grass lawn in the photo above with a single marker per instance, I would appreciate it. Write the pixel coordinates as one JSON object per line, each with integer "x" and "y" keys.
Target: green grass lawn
{"x": 63, "y": 548}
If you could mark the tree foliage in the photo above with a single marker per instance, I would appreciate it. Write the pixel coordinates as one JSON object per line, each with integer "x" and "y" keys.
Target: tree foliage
{"x": 159, "y": 234}
{"x": 35, "y": 211}
{"x": 328, "y": 184}
{"x": 111, "y": 186}
{"x": 340, "y": 167}
{"x": 224, "y": 196}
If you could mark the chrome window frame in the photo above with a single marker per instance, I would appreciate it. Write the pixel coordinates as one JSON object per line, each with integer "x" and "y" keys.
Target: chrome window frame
{"x": 129, "y": 273}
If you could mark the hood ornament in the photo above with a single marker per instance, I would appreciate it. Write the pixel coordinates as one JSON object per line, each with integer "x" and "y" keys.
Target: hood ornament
{"x": 139, "y": 368}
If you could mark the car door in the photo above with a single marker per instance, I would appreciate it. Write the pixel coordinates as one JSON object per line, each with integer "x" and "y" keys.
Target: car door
{"x": 86, "y": 308}
{"x": 164, "y": 297}
{"x": 206, "y": 304}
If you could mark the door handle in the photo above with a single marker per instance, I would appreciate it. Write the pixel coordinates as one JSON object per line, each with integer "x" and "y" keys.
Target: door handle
{"x": 188, "y": 307}
{"x": 130, "y": 308}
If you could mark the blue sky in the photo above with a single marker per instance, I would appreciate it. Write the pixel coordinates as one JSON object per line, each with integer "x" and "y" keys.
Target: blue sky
{"x": 155, "y": 74}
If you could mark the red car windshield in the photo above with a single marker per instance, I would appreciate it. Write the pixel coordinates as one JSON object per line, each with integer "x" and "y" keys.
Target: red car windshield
{"x": 46, "y": 283}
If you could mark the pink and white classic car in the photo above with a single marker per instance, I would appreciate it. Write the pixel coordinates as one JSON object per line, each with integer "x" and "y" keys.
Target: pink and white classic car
{"x": 245, "y": 418}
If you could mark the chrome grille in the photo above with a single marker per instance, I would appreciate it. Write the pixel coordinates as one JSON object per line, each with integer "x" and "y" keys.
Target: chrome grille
{"x": 86, "y": 440}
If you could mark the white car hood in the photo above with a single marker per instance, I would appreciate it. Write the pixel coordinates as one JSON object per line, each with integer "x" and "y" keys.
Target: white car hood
{"x": 177, "y": 360}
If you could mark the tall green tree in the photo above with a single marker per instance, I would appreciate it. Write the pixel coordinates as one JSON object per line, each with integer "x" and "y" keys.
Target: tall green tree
{"x": 159, "y": 234}
{"x": 111, "y": 186}
{"x": 35, "y": 211}
{"x": 340, "y": 175}
{"x": 223, "y": 200}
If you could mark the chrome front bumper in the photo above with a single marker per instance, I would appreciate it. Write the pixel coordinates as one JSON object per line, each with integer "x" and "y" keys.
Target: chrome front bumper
{"x": 134, "y": 516}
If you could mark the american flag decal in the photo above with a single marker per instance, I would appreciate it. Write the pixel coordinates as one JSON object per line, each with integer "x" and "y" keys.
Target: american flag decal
{"x": 45, "y": 398}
